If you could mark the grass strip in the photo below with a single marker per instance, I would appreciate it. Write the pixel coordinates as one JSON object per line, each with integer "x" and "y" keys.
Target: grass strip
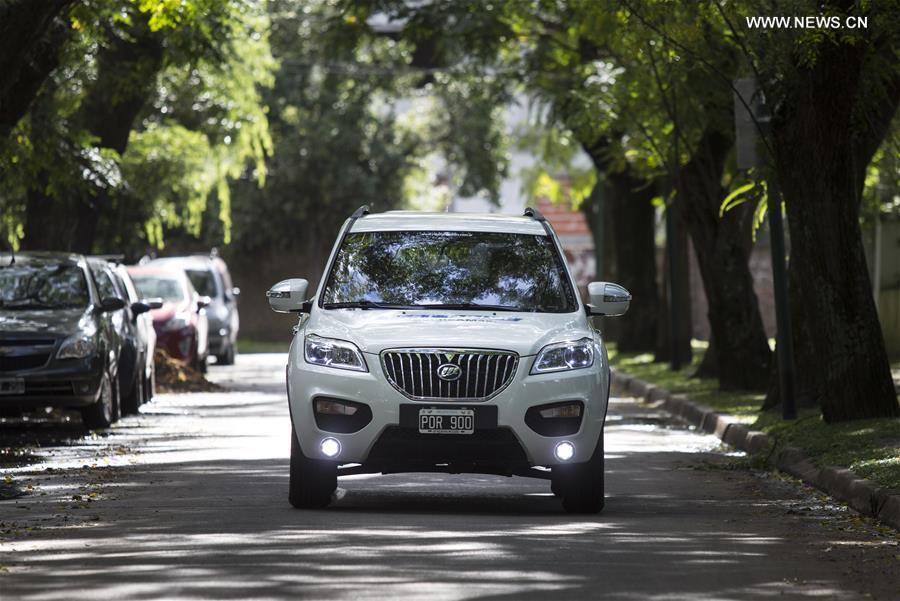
{"x": 871, "y": 448}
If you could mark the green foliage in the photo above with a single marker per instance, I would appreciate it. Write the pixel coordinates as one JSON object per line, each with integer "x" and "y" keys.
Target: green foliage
{"x": 336, "y": 143}
{"x": 555, "y": 175}
{"x": 202, "y": 120}
{"x": 359, "y": 118}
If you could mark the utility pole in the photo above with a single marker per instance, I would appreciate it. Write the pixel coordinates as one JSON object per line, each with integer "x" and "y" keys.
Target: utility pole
{"x": 748, "y": 94}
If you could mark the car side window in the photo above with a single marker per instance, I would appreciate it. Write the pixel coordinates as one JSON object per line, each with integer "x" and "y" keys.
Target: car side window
{"x": 119, "y": 285}
{"x": 105, "y": 285}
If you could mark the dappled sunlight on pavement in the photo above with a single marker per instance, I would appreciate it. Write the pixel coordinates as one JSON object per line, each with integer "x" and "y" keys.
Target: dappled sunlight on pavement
{"x": 197, "y": 509}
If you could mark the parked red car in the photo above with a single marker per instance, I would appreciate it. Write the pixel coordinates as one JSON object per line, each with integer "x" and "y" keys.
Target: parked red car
{"x": 181, "y": 325}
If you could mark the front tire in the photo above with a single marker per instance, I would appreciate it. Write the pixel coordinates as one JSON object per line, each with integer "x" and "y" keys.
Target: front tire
{"x": 312, "y": 481}
{"x": 581, "y": 485}
{"x": 227, "y": 356}
{"x": 102, "y": 413}
{"x": 150, "y": 385}
{"x": 136, "y": 397}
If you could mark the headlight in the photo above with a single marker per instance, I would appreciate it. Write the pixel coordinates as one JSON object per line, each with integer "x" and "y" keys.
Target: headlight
{"x": 333, "y": 353}
{"x": 562, "y": 356}
{"x": 179, "y": 322}
{"x": 78, "y": 346}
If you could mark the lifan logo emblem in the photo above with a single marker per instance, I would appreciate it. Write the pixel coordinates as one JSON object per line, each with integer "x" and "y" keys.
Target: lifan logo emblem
{"x": 448, "y": 372}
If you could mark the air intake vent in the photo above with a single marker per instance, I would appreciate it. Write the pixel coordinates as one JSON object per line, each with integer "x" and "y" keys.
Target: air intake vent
{"x": 455, "y": 374}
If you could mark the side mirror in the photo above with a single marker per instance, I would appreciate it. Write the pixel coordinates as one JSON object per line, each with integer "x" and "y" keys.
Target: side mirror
{"x": 154, "y": 303}
{"x": 289, "y": 296}
{"x": 608, "y": 299}
{"x": 203, "y": 302}
{"x": 139, "y": 307}
{"x": 110, "y": 303}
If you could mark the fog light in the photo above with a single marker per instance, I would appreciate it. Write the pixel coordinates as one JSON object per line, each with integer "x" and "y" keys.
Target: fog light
{"x": 564, "y": 450}
{"x": 573, "y": 410}
{"x": 330, "y": 447}
{"x": 334, "y": 407}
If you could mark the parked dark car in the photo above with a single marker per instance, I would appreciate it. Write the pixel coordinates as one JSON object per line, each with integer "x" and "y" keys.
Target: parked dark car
{"x": 180, "y": 323}
{"x": 130, "y": 326}
{"x": 145, "y": 329}
{"x": 210, "y": 277}
{"x": 58, "y": 343}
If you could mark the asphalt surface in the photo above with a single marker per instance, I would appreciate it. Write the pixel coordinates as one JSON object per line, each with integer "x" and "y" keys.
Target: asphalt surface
{"x": 189, "y": 501}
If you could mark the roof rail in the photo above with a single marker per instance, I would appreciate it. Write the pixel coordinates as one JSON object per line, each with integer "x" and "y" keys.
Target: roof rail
{"x": 539, "y": 217}
{"x": 534, "y": 214}
{"x": 111, "y": 258}
{"x": 360, "y": 212}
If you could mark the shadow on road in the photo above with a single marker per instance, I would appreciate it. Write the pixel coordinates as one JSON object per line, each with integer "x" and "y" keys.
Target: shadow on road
{"x": 223, "y": 530}
{"x": 202, "y": 513}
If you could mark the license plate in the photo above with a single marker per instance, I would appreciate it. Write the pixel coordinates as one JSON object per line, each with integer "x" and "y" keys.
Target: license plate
{"x": 12, "y": 386}
{"x": 446, "y": 421}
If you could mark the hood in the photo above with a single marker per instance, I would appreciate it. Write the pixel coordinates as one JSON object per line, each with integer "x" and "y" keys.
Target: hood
{"x": 62, "y": 322}
{"x": 374, "y": 330}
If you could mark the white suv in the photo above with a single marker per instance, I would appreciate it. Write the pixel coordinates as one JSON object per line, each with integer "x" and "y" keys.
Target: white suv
{"x": 447, "y": 342}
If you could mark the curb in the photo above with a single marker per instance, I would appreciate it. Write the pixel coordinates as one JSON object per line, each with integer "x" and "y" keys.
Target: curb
{"x": 864, "y": 496}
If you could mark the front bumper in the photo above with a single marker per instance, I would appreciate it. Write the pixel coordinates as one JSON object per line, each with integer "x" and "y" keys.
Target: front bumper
{"x": 307, "y": 382}
{"x": 63, "y": 386}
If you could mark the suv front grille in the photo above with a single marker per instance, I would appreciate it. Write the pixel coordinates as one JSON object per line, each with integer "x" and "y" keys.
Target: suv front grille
{"x": 481, "y": 374}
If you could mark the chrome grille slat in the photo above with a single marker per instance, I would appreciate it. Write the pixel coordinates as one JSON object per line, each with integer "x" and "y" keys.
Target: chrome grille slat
{"x": 496, "y": 371}
{"x": 402, "y": 371}
{"x": 480, "y": 372}
{"x": 421, "y": 376}
{"x": 412, "y": 374}
{"x": 477, "y": 372}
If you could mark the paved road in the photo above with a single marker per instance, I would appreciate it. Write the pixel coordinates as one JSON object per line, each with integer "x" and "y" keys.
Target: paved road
{"x": 188, "y": 501}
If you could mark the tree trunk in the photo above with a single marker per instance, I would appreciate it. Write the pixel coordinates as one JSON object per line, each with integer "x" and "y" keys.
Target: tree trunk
{"x": 629, "y": 248}
{"x": 708, "y": 367}
{"x": 31, "y": 36}
{"x": 822, "y": 149}
{"x": 722, "y": 245}
{"x": 684, "y": 321}
{"x": 633, "y": 216}
{"x": 38, "y": 228}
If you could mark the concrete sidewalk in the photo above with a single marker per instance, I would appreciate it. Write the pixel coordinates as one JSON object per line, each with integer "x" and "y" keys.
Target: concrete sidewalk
{"x": 862, "y": 495}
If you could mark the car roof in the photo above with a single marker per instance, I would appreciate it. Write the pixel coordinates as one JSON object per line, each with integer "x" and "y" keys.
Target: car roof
{"x": 454, "y": 222}
{"x": 43, "y": 256}
{"x": 99, "y": 262}
{"x": 157, "y": 270}
{"x": 186, "y": 262}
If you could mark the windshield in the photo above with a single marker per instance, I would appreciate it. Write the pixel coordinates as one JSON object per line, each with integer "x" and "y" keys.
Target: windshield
{"x": 168, "y": 289}
{"x": 498, "y": 271}
{"x": 43, "y": 286}
{"x": 203, "y": 280}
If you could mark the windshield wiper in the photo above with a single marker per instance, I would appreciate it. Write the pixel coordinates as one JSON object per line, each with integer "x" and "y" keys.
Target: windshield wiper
{"x": 365, "y": 304}
{"x": 473, "y": 306}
